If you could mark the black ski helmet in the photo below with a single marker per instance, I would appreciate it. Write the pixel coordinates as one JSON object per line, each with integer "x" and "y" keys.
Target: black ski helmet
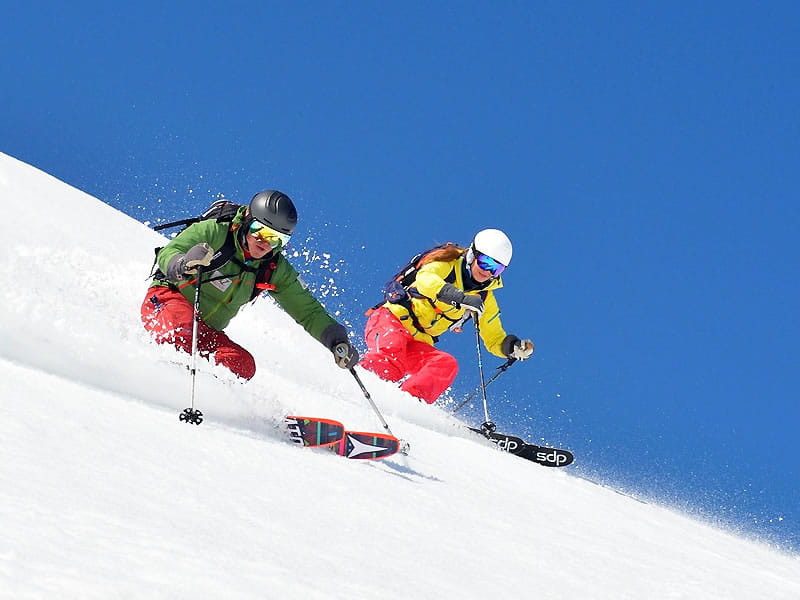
{"x": 274, "y": 209}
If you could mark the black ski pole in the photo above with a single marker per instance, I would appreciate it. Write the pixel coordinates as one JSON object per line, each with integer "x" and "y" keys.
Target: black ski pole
{"x": 404, "y": 445}
{"x": 502, "y": 369}
{"x": 191, "y": 414}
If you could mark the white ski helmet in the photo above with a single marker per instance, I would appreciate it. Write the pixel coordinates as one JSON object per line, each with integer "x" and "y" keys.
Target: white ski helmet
{"x": 494, "y": 243}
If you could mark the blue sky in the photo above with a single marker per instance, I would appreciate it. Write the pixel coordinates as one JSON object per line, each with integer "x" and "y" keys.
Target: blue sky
{"x": 639, "y": 155}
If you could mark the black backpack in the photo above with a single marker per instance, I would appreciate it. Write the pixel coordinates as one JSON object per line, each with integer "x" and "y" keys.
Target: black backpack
{"x": 400, "y": 288}
{"x": 396, "y": 290}
{"x": 222, "y": 211}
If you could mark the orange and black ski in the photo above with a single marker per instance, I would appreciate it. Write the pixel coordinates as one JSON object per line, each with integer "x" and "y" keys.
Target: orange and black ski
{"x": 314, "y": 432}
{"x": 365, "y": 445}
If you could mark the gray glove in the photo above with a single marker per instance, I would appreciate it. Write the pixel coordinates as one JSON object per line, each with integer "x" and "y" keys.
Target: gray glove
{"x": 513, "y": 347}
{"x": 181, "y": 265}
{"x": 345, "y": 355}
{"x": 452, "y": 295}
{"x": 334, "y": 338}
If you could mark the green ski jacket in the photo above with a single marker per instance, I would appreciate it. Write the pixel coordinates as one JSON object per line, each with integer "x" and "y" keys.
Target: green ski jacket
{"x": 227, "y": 288}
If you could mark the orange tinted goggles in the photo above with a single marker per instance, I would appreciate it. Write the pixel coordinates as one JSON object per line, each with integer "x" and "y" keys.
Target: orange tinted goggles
{"x": 269, "y": 235}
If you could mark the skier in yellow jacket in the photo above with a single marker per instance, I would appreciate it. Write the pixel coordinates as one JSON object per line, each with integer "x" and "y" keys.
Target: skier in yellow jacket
{"x": 450, "y": 284}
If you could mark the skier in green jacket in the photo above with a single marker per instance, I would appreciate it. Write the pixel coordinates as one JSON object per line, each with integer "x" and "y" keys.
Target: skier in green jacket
{"x": 237, "y": 260}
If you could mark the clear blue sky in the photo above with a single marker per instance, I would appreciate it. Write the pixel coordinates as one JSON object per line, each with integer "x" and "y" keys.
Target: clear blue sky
{"x": 643, "y": 158}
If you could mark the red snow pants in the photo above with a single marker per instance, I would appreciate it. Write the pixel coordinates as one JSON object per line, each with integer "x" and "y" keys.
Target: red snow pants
{"x": 394, "y": 353}
{"x": 168, "y": 316}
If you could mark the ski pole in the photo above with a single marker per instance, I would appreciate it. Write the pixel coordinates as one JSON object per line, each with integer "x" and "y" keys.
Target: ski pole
{"x": 487, "y": 426}
{"x": 404, "y": 445}
{"x": 191, "y": 414}
{"x": 502, "y": 369}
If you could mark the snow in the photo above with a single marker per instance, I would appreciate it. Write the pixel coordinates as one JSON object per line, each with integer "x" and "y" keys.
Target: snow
{"x": 105, "y": 494}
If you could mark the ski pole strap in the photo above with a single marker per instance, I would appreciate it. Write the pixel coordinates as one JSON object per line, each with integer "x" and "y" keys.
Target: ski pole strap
{"x": 458, "y": 326}
{"x": 502, "y": 368}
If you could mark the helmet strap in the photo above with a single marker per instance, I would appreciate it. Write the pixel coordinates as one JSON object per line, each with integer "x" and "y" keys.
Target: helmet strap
{"x": 243, "y": 236}
{"x": 470, "y": 256}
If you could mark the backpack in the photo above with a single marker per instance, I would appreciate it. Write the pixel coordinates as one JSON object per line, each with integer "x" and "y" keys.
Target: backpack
{"x": 222, "y": 211}
{"x": 396, "y": 290}
{"x": 400, "y": 288}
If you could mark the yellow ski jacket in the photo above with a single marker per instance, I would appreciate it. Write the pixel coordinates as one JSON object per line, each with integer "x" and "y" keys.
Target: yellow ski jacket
{"x": 435, "y": 317}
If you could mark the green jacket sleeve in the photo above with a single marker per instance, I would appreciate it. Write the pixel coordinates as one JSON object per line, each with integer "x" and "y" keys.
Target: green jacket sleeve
{"x": 209, "y": 231}
{"x": 293, "y": 296}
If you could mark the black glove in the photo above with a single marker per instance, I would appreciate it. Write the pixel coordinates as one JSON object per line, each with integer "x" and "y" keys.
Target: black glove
{"x": 334, "y": 338}
{"x": 181, "y": 265}
{"x": 513, "y": 347}
{"x": 452, "y": 295}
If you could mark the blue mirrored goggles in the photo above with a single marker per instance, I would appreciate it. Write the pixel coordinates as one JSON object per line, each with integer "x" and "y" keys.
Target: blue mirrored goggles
{"x": 267, "y": 234}
{"x": 487, "y": 263}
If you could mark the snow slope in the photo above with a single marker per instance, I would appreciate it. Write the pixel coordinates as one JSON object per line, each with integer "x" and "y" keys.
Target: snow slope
{"x": 105, "y": 494}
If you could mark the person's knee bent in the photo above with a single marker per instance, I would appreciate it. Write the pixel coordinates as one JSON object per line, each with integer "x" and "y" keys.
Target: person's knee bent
{"x": 444, "y": 366}
{"x": 246, "y": 369}
{"x": 382, "y": 366}
{"x": 449, "y": 363}
{"x": 237, "y": 360}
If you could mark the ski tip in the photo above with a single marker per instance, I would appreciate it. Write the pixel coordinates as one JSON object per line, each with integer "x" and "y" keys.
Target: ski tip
{"x": 543, "y": 455}
{"x": 313, "y": 432}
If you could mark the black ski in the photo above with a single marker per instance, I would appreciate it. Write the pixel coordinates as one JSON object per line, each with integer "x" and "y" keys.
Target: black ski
{"x": 543, "y": 455}
{"x": 546, "y": 456}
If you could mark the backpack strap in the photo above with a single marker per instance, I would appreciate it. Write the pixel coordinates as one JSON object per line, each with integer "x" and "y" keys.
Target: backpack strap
{"x": 263, "y": 271}
{"x": 222, "y": 256}
{"x": 225, "y": 254}
{"x": 264, "y": 274}
{"x": 412, "y": 292}
{"x": 187, "y": 222}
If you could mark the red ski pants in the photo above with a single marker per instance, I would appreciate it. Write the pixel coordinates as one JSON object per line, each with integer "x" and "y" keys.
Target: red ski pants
{"x": 168, "y": 316}
{"x": 394, "y": 353}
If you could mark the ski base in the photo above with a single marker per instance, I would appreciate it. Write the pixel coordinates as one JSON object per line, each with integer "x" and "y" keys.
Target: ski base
{"x": 314, "y": 432}
{"x": 543, "y": 455}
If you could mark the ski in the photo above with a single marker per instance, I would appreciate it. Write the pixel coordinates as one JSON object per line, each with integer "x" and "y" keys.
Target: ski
{"x": 368, "y": 445}
{"x": 546, "y": 456}
{"x": 543, "y": 455}
{"x": 314, "y": 432}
